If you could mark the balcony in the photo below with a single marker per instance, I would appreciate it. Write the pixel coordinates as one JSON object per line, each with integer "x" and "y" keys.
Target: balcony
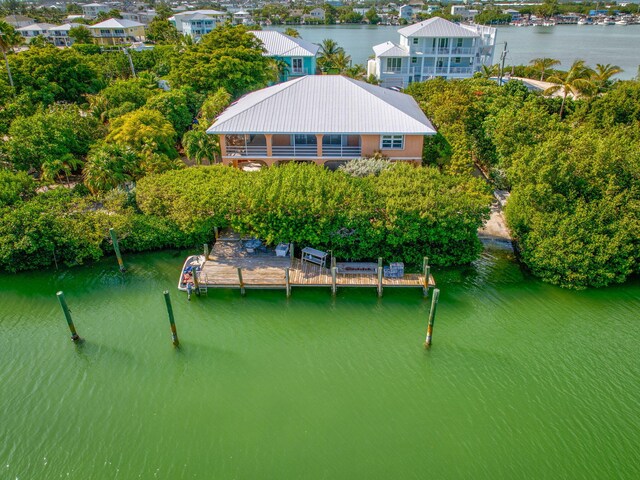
{"x": 298, "y": 72}
{"x": 462, "y": 51}
{"x": 294, "y": 151}
{"x": 339, "y": 151}
{"x": 247, "y": 151}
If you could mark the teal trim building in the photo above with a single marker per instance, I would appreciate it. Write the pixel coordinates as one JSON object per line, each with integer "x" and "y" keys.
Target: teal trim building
{"x": 298, "y": 54}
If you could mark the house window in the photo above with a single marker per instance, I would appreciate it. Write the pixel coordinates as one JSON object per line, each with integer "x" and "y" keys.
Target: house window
{"x": 415, "y": 41}
{"x": 392, "y": 142}
{"x": 459, "y": 43}
{"x": 296, "y": 65}
{"x": 394, "y": 64}
{"x": 414, "y": 60}
{"x": 304, "y": 139}
{"x": 332, "y": 140}
{"x": 456, "y": 60}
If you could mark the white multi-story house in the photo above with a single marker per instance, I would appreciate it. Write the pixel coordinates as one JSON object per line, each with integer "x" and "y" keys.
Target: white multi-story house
{"x": 466, "y": 14}
{"x": 19, "y": 21}
{"x": 405, "y": 12}
{"x": 35, "y": 29}
{"x": 91, "y": 10}
{"x": 195, "y": 21}
{"x": 141, "y": 16}
{"x": 59, "y": 35}
{"x": 433, "y": 48}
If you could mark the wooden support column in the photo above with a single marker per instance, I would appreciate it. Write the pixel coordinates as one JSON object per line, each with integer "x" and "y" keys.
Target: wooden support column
{"x": 67, "y": 314}
{"x": 196, "y": 280}
{"x": 216, "y": 233}
{"x": 172, "y": 323}
{"x": 380, "y": 276}
{"x": 242, "y": 292}
{"x": 116, "y": 248}
{"x": 426, "y": 271}
{"x": 319, "y": 146}
{"x": 206, "y": 251}
{"x": 291, "y": 253}
{"x": 287, "y": 282}
{"x": 269, "y": 138}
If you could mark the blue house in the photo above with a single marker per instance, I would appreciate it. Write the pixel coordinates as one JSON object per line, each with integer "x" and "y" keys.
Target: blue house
{"x": 299, "y": 55}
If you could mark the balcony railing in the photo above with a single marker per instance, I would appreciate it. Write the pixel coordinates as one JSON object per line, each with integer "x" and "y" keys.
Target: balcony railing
{"x": 341, "y": 151}
{"x": 462, "y": 51}
{"x": 460, "y": 70}
{"x": 248, "y": 151}
{"x": 299, "y": 71}
{"x": 396, "y": 71}
{"x": 295, "y": 151}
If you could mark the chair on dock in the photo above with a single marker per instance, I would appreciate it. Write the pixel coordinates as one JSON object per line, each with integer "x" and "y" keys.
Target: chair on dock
{"x": 314, "y": 256}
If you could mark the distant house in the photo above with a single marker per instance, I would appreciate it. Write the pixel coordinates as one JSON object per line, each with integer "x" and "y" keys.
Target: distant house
{"x": 433, "y": 48}
{"x": 515, "y": 14}
{"x": 406, "y": 12}
{"x": 242, "y": 17}
{"x": 59, "y": 35}
{"x": 19, "y": 21}
{"x": 466, "y": 14}
{"x": 141, "y": 16}
{"x": 298, "y": 54}
{"x": 116, "y": 31}
{"x": 325, "y": 119}
{"x": 215, "y": 17}
{"x": 198, "y": 24}
{"x": 91, "y": 10}
{"x": 315, "y": 14}
{"x": 31, "y": 31}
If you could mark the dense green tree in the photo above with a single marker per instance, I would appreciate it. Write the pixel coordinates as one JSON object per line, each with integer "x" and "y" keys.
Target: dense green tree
{"x": 15, "y": 187}
{"x": 145, "y": 131}
{"x": 48, "y": 136}
{"x": 329, "y": 49}
{"x": 292, "y": 32}
{"x": 162, "y": 31}
{"x": 81, "y": 34}
{"x": 108, "y": 166}
{"x": 174, "y": 107}
{"x": 229, "y": 57}
{"x": 122, "y": 96}
{"x": 372, "y": 16}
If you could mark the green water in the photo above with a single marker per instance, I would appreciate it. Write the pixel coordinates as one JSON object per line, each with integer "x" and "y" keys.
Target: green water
{"x": 524, "y": 380}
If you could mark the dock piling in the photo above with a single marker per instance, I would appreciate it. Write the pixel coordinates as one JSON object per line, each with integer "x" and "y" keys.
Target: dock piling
{"x": 426, "y": 271}
{"x": 116, "y": 247}
{"x": 67, "y": 314}
{"x": 287, "y": 282}
{"x": 334, "y": 285}
{"x": 242, "y": 292}
{"x": 196, "y": 280}
{"x": 206, "y": 251}
{"x": 432, "y": 317}
{"x": 380, "y": 276}
{"x": 174, "y": 333}
{"x": 216, "y": 233}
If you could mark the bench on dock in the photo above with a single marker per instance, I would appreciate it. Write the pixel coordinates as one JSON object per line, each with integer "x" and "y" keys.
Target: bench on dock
{"x": 357, "y": 268}
{"x": 314, "y": 256}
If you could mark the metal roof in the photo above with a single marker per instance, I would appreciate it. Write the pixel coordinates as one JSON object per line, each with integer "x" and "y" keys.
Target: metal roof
{"x": 281, "y": 45}
{"x": 438, "y": 27}
{"x": 390, "y": 49}
{"x": 65, "y": 27}
{"x": 116, "y": 23}
{"x": 324, "y": 104}
{"x": 36, "y": 26}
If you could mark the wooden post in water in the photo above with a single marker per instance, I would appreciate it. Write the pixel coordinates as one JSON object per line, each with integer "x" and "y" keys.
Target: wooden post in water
{"x": 196, "y": 280}
{"x": 67, "y": 314}
{"x": 432, "y": 317}
{"x": 287, "y": 281}
{"x": 380, "y": 276}
{"x": 216, "y": 233}
{"x": 242, "y": 292}
{"x": 334, "y": 285}
{"x": 426, "y": 271}
{"x": 116, "y": 247}
{"x": 174, "y": 333}
{"x": 206, "y": 251}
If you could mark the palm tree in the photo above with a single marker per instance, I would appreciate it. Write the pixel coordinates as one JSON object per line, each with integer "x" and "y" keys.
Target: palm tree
{"x": 109, "y": 166}
{"x": 199, "y": 146}
{"x": 577, "y": 81}
{"x": 53, "y": 169}
{"x": 489, "y": 71}
{"x": 543, "y": 64}
{"x": 292, "y": 32}
{"x": 357, "y": 71}
{"x": 341, "y": 61}
{"x": 603, "y": 73}
{"x": 9, "y": 39}
{"x": 328, "y": 50}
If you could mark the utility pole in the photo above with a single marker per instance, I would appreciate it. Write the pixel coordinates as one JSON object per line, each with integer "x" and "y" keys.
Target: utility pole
{"x": 503, "y": 57}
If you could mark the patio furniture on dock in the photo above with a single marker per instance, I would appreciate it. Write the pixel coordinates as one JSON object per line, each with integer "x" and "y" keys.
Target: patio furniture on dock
{"x": 394, "y": 270}
{"x": 282, "y": 250}
{"x": 314, "y": 256}
{"x": 357, "y": 268}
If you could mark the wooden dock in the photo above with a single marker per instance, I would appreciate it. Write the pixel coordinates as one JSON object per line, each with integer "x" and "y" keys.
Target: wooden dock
{"x": 230, "y": 266}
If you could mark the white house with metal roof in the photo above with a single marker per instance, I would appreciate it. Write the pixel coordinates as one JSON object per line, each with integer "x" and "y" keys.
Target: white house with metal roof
{"x": 433, "y": 48}
{"x": 91, "y": 10}
{"x": 298, "y": 54}
{"x": 197, "y": 22}
{"x": 59, "y": 35}
{"x": 35, "y": 29}
{"x": 323, "y": 119}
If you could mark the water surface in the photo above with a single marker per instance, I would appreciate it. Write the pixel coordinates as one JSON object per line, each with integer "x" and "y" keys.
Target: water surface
{"x": 524, "y": 380}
